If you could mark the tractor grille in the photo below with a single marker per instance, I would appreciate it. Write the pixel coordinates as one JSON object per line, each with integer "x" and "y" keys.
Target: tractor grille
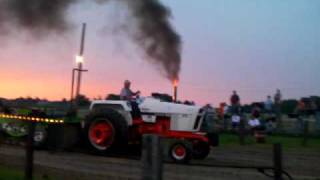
{"x": 196, "y": 124}
{"x": 198, "y": 119}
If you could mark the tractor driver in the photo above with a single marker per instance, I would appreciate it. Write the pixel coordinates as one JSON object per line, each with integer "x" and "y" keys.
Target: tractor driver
{"x": 126, "y": 93}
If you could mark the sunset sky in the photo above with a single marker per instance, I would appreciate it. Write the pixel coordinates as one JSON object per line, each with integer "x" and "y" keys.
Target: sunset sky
{"x": 252, "y": 46}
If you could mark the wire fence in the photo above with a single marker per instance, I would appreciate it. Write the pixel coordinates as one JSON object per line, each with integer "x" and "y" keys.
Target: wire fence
{"x": 296, "y": 125}
{"x": 153, "y": 160}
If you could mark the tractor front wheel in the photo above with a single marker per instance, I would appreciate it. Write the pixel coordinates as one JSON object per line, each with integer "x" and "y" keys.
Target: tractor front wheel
{"x": 180, "y": 152}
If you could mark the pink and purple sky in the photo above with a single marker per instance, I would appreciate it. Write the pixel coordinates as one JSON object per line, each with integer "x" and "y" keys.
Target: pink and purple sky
{"x": 252, "y": 46}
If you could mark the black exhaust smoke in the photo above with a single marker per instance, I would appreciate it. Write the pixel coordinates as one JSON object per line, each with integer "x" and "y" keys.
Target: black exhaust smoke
{"x": 36, "y": 15}
{"x": 156, "y": 35}
{"x": 152, "y": 32}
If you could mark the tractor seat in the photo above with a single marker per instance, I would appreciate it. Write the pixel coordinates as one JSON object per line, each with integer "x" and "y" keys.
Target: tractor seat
{"x": 135, "y": 113}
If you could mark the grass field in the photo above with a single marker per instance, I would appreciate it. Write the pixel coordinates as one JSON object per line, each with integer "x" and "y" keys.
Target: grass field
{"x": 10, "y": 174}
{"x": 7, "y": 173}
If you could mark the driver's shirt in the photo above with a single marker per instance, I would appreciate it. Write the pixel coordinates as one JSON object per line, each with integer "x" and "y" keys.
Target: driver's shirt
{"x": 126, "y": 94}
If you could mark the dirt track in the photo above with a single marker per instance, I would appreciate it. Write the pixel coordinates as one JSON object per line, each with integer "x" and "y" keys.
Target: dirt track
{"x": 79, "y": 166}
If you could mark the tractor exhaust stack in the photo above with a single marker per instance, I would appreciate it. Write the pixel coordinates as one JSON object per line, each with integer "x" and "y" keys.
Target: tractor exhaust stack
{"x": 175, "y": 90}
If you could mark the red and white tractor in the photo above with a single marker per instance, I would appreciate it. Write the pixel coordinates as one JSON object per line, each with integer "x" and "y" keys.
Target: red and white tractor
{"x": 113, "y": 124}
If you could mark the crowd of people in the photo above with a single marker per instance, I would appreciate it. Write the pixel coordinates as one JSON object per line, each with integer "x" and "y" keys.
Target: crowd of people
{"x": 264, "y": 116}
{"x": 234, "y": 112}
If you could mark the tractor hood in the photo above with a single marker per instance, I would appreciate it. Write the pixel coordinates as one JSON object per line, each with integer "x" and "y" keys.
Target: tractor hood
{"x": 152, "y": 105}
{"x": 182, "y": 117}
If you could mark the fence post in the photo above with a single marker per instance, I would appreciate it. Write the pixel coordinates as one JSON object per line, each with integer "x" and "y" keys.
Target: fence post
{"x": 278, "y": 117}
{"x": 242, "y": 131}
{"x": 299, "y": 125}
{"x": 277, "y": 161}
{"x": 29, "y": 152}
{"x": 305, "y": 133}
{"x": 225, "y": 122}
{"x": 152, "y": 157}
{"x": 1, "y": 136}
{"x": 318, "y": 121}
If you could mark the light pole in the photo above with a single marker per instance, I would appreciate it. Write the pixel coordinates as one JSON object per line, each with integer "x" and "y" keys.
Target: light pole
{"x": 79, "y": 62}
{"x": 79, "y": 59}
{"x": 72, "y": 81}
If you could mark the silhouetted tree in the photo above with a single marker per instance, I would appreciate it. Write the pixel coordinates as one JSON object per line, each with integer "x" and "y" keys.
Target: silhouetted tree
{"x": 288, "y": 106}
{"x": 82, "y": 100}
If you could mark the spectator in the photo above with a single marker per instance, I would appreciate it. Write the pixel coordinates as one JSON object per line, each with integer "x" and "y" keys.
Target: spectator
{"x": 270, "y": 125}
{"x": 301, "y": 112}
{"x": 268, "y": 105}
{"x": 223, "y": 114}
{"x": 301, "y": 107}
{"x": 254, "y": 122}
{"x": 313, "y": 106}
{"x": 226, "y": 115}
{"x": 277, "y": 108}
{"x": 256, "y": 112}
{"x": 208, "y": 120}
{"x": 221, "y": 110}
{"x": 235, "y": 103}
{"x": 277, "y": 97}
{"x": 235, "y": 119}
{"x": 225, "y": 109}
{"x": 235, "y": 99}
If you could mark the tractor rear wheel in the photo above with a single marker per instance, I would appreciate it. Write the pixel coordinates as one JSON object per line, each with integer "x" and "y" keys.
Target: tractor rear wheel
{"x": 106, "y": 130}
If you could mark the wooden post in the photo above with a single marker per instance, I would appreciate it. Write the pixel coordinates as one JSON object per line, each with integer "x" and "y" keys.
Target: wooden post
{"x": 152, "y": 157}
{"x": 277, "y": 161}
{"x": 305, "y": 133}
{"x": 278, "y": 117}
{"x": 1, "y": 136}
{"x": 29, "y": 152}
{"x": 225, "y": 123}
{"x": 242, "y": 131}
